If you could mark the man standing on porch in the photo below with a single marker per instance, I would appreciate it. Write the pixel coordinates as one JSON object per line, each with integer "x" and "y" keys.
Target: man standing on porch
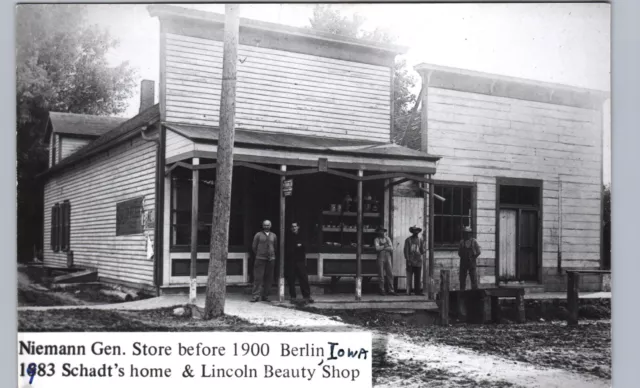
{"x": 414, "y": 250}
{"x": 384, "y": 247}
{"x": 295, "y": 255}
{"x": 264, "y": 250}
{"x": 469, "y": 250}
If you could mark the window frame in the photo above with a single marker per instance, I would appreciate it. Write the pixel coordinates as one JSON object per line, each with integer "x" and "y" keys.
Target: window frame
{"x": 202, "y": 215}
{"x": 474, "y": 210}
{"x": 65, "y": 226}
{"x": 55, "y": 217}
{"x": 60, "y": 227}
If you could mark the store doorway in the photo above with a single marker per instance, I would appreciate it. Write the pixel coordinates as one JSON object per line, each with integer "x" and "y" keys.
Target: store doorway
{"x": 518, "y": 230}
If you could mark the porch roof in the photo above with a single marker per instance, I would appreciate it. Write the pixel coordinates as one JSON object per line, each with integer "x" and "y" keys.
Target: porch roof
{"x": 301, "y": 143}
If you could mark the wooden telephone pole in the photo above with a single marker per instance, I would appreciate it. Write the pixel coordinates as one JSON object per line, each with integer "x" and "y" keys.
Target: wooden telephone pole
{"x": 217, "y": 282}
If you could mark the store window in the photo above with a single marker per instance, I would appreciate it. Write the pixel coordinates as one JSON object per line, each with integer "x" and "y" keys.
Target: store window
{"x": 453, "y": 214}
{"x": 181, "y": 184}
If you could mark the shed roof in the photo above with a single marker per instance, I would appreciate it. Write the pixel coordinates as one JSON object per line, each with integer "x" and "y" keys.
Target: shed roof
{"x": 260, "y": 139}
{"x": 81, "y": 124}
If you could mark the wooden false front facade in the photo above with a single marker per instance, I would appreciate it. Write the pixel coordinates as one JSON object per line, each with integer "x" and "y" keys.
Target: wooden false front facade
{"x": 312, "y": 108}
{"x": 522, "y": 164}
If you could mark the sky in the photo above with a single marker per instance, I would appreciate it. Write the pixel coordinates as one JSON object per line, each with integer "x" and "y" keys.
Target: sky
{"x": 560, "y": 43}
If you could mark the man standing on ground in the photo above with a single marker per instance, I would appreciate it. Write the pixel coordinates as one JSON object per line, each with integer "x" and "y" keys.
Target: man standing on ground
{"x": 413, "y": 253}
{"x": 384, "y": 247}
{"x": 264, "y": 250}
{"x": 296, "y": 262}
{"x": 469, "y": 250}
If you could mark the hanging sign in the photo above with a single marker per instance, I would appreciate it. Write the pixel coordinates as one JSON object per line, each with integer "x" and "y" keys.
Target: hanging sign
{"x": 287, "y": 187}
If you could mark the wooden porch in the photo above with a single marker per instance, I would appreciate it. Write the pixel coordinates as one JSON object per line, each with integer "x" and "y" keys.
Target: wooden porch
{"x": 300, "y": 157}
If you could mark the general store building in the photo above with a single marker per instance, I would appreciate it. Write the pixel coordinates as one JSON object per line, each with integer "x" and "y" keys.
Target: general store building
{"x": 519, "y": 162}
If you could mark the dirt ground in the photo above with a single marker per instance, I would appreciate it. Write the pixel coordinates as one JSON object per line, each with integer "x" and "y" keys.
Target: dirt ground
{"x": 109, "y": 320}
{"x": 584, "y": 349}
{"x": 35, "y": 290}
{"x": 544, "y": 341}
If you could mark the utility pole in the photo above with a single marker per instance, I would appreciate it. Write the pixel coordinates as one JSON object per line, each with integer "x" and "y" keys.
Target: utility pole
{"x": 217, "y": 282}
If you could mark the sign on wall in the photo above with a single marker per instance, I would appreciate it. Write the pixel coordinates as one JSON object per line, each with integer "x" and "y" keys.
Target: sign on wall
{"x": 130, "y": 217}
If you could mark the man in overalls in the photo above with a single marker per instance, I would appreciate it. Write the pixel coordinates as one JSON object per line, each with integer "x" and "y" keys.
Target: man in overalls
{"x": 469, "y": 250}
{"x": 384, "y": 248}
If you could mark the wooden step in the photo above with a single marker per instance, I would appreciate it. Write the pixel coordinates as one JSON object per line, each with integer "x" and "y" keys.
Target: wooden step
{"x": 82, "y": 276}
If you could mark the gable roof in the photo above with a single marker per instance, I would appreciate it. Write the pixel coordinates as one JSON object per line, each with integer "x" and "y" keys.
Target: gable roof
{"x": 80, "y": 124}
{"x": 260, "y": 139}
{"x": 122, "y": 132}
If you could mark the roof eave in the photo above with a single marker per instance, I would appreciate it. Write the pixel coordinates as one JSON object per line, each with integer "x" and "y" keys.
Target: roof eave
{"x": 429, "y": 71}
{"x": 426, "y": 157}
{"x": 48, "y": 129}
{"x": 169, "y": 11}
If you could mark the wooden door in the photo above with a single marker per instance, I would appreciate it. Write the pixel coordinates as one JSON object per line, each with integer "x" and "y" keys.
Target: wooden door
{"x": 527, "y": 245}
{"x": 508, "y": 244}
{"x": 407, "y": 212}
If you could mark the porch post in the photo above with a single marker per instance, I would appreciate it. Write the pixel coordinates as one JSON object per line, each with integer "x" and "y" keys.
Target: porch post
{"x": 282, "y": 229}
{"x": 426, "y": 226}
{"x": 359, "y": 241}
{"x": 432, "y": 189}
{"x": 193, "y": 281}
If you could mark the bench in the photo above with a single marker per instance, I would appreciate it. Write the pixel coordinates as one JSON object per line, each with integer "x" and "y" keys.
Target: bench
{"x": 483, "y": 305}
{"x": 479, "y": 305}
{"x": 573, "y": 291}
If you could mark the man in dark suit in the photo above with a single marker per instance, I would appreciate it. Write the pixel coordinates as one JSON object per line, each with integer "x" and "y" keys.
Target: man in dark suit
{"x": 296, "y": 264}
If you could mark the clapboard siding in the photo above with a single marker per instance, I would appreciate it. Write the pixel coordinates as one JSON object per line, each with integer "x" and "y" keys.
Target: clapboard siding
{"x": 278, "y": 91}
{"x": 93, "y": 188}
{"x": 177, "y": 144}
{"x": 482, "y": 137}
{"x": 69, "y": 145}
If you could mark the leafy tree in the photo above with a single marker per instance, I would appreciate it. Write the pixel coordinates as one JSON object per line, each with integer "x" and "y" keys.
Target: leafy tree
{"x": 406, "y": 125}
{"x": 61, "y": 66}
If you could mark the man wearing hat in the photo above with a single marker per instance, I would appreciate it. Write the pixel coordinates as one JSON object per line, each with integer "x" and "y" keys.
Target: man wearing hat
{"x": 469, "y": 250}
{"x": 384, "y": 247}
{"x": 414, "y": 250}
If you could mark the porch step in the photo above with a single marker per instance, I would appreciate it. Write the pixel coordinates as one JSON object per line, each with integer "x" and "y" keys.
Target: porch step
{"x": 529, "y": 288}
{"x": 83, "y": 276}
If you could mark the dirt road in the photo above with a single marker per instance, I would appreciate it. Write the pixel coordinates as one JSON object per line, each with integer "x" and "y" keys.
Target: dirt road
{"x": 417, "y": 359}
